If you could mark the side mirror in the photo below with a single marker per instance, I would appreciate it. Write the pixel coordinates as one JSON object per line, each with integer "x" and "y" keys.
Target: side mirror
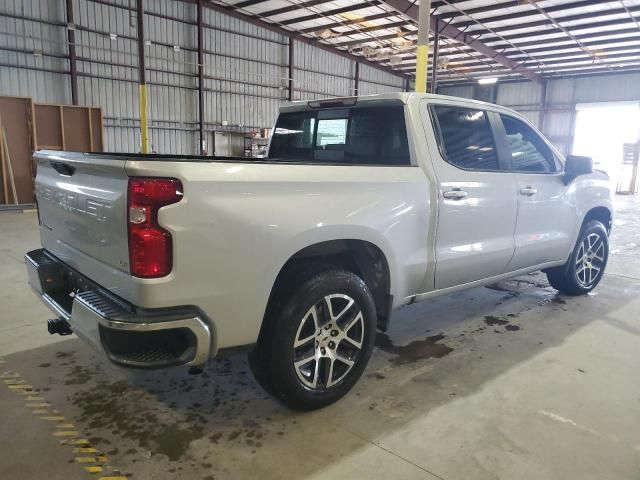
{"x": 576, "y": 165}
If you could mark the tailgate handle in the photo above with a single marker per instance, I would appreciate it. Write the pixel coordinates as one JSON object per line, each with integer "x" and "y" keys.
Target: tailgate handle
{"x": 63, "y": 168}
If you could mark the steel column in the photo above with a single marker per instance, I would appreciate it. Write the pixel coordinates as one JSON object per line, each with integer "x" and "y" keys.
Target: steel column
{"x": 356, "y": 80}
{"x": 290, "y": 70}
{"x": 73, "y": 66}
{"x": 203, "y": 147}
{"x": 144, "y": 131}
{"x": 543, "y": 104}
{"x": 434, "y": 61}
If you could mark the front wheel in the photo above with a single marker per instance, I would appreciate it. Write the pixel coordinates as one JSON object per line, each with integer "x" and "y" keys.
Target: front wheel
{"x": 319, "y": 340}
{"x": 585, "y": 267}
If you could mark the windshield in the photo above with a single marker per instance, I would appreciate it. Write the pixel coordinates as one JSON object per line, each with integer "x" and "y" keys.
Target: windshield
{"x": 357, "y": 135}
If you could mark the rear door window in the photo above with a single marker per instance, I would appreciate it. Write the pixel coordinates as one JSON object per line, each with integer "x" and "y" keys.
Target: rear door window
{"x": 465, "y": 138}
{"x": 357, "y": 136}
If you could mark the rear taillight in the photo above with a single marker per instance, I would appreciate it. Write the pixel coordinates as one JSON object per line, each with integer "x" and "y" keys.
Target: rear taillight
{"x": 150, "y": 249}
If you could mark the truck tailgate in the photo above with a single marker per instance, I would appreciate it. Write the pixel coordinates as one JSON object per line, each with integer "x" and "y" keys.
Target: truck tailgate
{"x": 82, "y": 203}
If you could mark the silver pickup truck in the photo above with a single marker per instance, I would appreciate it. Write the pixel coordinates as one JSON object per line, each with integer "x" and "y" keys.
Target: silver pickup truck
{"x": 362, "y": 205}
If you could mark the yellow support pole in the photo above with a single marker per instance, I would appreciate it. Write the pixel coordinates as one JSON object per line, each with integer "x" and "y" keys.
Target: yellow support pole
{"x": 422, "y": 53}
{"x": 144, "y": 130}
{"x": 422, "y": 48}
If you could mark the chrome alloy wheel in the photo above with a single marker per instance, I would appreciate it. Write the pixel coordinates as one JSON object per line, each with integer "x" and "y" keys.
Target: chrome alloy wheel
{"x": 590, "y": 259}
{"x": 328, "y": 341}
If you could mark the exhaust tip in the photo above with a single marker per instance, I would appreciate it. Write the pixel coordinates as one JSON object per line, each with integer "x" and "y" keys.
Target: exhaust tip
{"x": 58, "y": 326}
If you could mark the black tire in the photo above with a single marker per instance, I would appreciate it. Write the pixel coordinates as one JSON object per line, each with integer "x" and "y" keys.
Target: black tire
{"x": 584, "y": 270}
{"x": 301, "y": 314}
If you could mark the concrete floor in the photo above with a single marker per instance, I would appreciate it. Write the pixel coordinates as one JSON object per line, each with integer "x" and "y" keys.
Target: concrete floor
{"x": 507, "y": 382}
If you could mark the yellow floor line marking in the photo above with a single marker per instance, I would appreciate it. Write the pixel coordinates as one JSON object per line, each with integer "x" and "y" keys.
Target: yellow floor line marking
{"x": 85, "y": 459}
{"x": 72, "y": 433}
{"x": 85, "y": 450}
{"x": 13, "y": 381}
{"x": 66, "y": 430}
{"x": 20, "y": 387}
{"x": 77, "y": 441}
{"x": 25, "y": 392}
{"x": 66, "y": 425}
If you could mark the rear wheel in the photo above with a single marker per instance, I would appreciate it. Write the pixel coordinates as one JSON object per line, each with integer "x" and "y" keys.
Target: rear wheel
{"x": 318, "y": 340}
{"x": 585, "y": 267}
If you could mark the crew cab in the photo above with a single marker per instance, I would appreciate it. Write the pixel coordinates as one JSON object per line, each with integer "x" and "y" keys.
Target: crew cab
{"x": 362, "y": 205}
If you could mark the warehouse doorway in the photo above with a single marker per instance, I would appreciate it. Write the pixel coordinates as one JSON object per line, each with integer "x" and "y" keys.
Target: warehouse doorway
{"x": 606, "y": 132}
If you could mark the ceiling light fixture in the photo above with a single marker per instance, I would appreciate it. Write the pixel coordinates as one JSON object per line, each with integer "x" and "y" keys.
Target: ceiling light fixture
{"x": 487, "y": 80}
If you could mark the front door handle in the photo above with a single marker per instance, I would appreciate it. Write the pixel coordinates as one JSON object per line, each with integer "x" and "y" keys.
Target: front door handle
{"x": 528, "y": 191}
{"x": 454, "y": 194}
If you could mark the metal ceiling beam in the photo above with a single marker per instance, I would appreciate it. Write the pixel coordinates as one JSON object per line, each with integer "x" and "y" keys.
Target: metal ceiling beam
{"x": 345, "y": 23}
{"x": 501, "y": 42}
{"x": 555, "y": 58}
{"x": 591, "y": 40}
{"x": 471, "y": 11}
{"x": 249, "y": 3}
{"x": 446, "y": 30}
{"x": 546, "y": 22}
{"x": 335, "y": 11}
{"x": 516, "y": 15}
{"x": 293, "y": 8}
{"x": 232, "y": 12}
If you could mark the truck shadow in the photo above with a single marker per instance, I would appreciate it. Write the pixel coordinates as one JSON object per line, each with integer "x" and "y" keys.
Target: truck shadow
{"x": 222, "y": 424}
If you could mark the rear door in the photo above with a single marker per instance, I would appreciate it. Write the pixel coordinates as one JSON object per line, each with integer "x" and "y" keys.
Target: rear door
{"x": 476, "y": 197}
{"x": 546, "y": 213}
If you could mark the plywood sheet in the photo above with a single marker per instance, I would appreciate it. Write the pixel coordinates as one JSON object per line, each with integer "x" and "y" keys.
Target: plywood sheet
{"x": 76, "y": 129}
{"x": 17, "y": 122}
{"x": 48, "y": 127}
{"x": 96, "y": 130}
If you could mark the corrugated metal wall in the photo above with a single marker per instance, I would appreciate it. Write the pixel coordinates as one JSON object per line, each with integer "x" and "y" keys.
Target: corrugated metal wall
{"x": 374, "y": 81}
{"x": 38, "y": 48}
{"x": 246, "y": 68}
{"x": 561, "y": 98}
{"x": 321, "y": 74}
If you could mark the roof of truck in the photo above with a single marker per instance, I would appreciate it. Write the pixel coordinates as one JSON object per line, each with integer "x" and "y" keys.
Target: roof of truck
{"x": 402, "y": 97}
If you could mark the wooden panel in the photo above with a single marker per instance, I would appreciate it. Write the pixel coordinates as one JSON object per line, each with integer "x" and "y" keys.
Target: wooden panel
{"x": 75, "y": 125}
{"x": 48, "y": 126}
{"x": 96, "y": 130}
{"x": 17, "y": 115}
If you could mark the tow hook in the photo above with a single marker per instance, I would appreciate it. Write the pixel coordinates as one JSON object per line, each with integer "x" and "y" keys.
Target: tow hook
{"x": 59, "y": 326}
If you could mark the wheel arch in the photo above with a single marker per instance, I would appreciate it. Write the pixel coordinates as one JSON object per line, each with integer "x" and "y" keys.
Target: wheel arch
{"x": 358, "y": 256}
{"x": 601, "y": 214}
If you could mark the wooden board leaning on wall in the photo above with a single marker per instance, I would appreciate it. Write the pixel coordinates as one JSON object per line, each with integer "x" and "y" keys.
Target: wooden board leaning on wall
{"x": 32, "y": 126}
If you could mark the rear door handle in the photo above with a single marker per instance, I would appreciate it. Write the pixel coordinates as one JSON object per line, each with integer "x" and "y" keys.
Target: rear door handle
{"x": 528, "y": 191}
{"x": 454, "y": 194}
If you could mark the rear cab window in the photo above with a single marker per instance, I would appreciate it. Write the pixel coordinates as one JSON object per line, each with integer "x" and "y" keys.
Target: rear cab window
{"x": 359, "y": 135}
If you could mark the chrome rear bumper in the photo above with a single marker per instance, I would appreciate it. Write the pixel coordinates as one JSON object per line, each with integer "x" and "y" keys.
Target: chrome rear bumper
{"x": 129, "y": 335}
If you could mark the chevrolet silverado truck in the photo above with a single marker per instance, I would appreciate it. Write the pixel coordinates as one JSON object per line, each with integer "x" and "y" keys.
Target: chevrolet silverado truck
{"x": 362, "y": 205}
